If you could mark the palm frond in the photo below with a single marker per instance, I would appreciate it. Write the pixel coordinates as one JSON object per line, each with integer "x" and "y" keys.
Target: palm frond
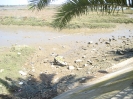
{"x": 38, "y": 4}
{"x": 75, "y": 8}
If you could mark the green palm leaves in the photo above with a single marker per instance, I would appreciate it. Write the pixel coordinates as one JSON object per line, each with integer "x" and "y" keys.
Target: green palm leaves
{"x": 73, "y": 8}
{"x": 69, "y": 10}
{"x": 38, "y": 4}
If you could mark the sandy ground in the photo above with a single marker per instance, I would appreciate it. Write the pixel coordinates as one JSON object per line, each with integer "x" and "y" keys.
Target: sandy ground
{"x": 88, "y": 55}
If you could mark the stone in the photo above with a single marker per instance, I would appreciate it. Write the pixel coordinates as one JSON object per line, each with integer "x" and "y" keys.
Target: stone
{"x": 119, "y": 52}
{"x": 103, "y": 71}
{"x": 89, "y": 62}
{"x": 33, "y": 70}
{"x": 83, "y": 80}
{"x": 53, "y": 54}
{"x": 107, "y": 43}
{"x": 45, "y": 61}
{"x": 79, "y": 68}
{"x": 85, "y": 65}
{"x": 19, "y": 53}
{"x": 78, "y": 61}
{"x": 23, "y": 73}
{"x": 1, "y": 70}
{"x": 90, "y": 42}
{"x": 40, "y": 48}
{"x": 96, "y": 43}
{"x": 63, "y": 46}
{"x": 60, "y": 61}
{"x": 55, "y": 80}
{"x": 83, "y": 56}
{"x": 21, "y": 83}
{"x": 94, "y": 49}
{"x": 71, "y": 67}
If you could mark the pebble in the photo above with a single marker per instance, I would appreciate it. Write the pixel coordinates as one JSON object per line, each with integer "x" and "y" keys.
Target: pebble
{"x": 53, "y": 54}
{"x": 120, "y": 52}
{"x": 89, "y": 62}
{"x": 22, "y": 73}
{"x": 107, "y": 43}
{"x": 85, "y": 65}
{"x": 83, "y": 56}
{"x": 33, "y": 70}
{"x": 40, "y": 48}
{"x": 1, "y": 70}
{"x": 60, "y": 60}
{"x": 19, "y": 53}
{"x": 20, "y": 83}
{"x": 79, "y": 68}
{"x": 96, "y": 43}
{"x": 90, "y": 42}
{"x": 102, "y": 71}
{"x": 55, "y": 80}
{"x": 71, "y": 67}
{"x": 78, "y": 61}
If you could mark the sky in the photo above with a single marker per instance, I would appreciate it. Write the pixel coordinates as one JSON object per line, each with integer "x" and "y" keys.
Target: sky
{"x": 23, "y": 2}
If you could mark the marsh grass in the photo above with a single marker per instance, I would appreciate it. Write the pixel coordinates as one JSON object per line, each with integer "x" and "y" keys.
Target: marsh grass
{"x": 94, "y": 20}
{"x": 91, "y": 20}
{"x": 31, "y": 21}
{"x": 11, "y": 61}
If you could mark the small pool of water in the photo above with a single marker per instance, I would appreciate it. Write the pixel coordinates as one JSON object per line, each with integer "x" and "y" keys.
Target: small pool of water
{"x": 11, "y": 36}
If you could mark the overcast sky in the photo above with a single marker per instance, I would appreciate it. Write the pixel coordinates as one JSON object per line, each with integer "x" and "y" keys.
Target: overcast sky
{"x": 23, "y": 2}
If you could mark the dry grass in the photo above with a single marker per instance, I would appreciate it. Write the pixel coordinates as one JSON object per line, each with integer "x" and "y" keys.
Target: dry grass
{"x": 45, "y": 17}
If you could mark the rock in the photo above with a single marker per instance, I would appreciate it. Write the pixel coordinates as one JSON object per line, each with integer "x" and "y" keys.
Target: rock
{"x": 96, "y": 43}
{"x": 84, "y": 48}
{"x": 119, "y": 52}
{"x": 33, "y": 70}
{"x": 79, "y": 68}
{"x": 45, "y": 61}
{"x": 21, "y": 83}
{"x": 88, "y": 72}
{"x": 1, "y": 70}
{"x": 103, "y": 71}
{"x": 53, "y": 54}
{"x": 109, "y": 40}
{"x": 89, "y": 62}
{"x": 83, "y": 56}
{"x": 78, "y": 61}
{"x": 90, "y": 42}
{"x": 63, "y": 46}
{"x": 59, "y": 61}
{"x": 22, "y": 73}
{"x": 19, "y": 53}
{"x": 85, "y": 65}
{"x": 124, "y": 42}
{"x": 94, "y": 49}
{"x": 40, "y": 48}
{"x": 71, "y": 67}
{"x": 83, "y": 80}
{"x": 55, "y": 80}
{"x": 114, "y": 39}
{"x": 107, "y": 43}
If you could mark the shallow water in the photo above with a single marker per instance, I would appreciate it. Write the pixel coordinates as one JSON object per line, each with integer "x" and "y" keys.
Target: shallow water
{"x": 10, "y": 36}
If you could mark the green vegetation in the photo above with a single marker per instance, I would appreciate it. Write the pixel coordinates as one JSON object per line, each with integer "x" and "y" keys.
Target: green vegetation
{"x": 11, "y": 62}
{"x": 22, "y": 21}
{"x": 74, "y": 8}
{"x": 92, "y": 20}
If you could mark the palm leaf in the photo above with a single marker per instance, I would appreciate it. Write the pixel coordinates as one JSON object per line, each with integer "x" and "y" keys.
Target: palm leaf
{"x": 38, "y": 4}
{"x": 75, "y": 8}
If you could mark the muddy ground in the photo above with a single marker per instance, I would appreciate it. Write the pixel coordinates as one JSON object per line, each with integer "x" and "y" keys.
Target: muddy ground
{"x": 88, "y": 56}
